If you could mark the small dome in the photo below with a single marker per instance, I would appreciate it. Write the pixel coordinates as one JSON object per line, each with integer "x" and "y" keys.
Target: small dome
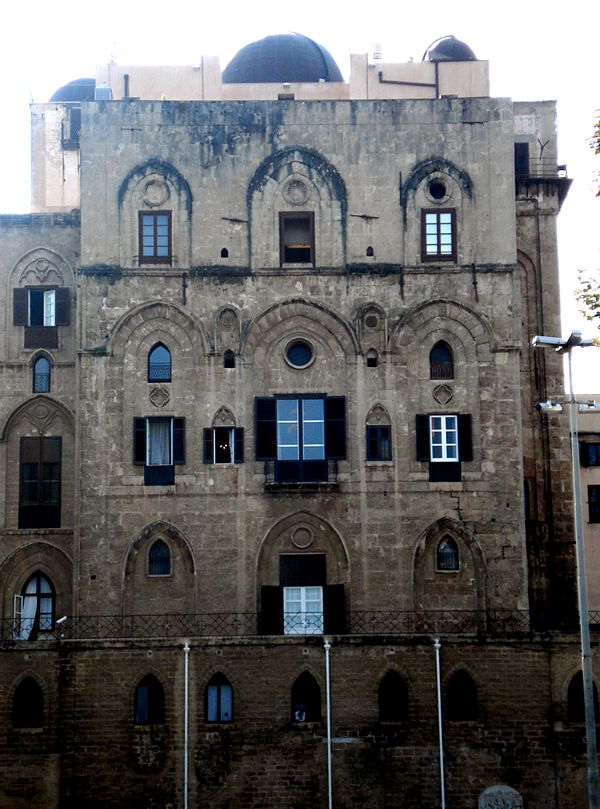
{"x": 282, "y": 58}
{"x": 77, "y": 90}
{"x": 451, "y": 49}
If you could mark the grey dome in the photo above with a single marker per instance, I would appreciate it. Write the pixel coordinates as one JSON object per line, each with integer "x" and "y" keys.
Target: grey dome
{"x": 453, "y": 50}
{"x": 77, "y": 90}
{"x": 282, "y": 58}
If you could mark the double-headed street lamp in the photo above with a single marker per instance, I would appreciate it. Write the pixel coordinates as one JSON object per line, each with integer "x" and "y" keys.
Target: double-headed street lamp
{"x": 565, "y": 347}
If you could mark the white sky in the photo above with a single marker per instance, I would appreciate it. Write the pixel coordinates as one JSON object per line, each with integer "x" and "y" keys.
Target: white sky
{"x": 537, "y": 51}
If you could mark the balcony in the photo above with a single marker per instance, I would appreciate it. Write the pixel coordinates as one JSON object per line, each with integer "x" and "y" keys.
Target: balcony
{"x": 308, "y": 474}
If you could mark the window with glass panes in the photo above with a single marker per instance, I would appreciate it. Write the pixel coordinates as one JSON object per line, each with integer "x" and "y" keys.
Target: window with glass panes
{"x": 303, "y": 610}
{"x": 438, "y": 235}
{"x": 443, "y": 433}
{"x": 155, "y": 237}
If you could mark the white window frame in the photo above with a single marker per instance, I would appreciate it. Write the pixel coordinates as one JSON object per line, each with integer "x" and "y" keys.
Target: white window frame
{"x": 298, "y": 619}
{"x": 49, "y": 307}
{"x": 231, "y": 445}
{"x": 443, "y": 438}
{"x": 300, "y": 422}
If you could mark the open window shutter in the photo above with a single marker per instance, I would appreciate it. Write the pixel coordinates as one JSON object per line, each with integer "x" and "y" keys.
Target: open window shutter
{"x": 465, "y": 437}
{"x": 271, "y": 610}
{"x": 266, "y": 429}
{"x": 179, "y": 441}
{"x": 139, "y": 440}
{"x": 238, "y": 445}
{"x": 334, "y": 608}
{"x": 63, "y": 306}
{"x": 335, "y": 427}
{"x": 422, "y": 437}
{"x": 208, "y": 443}
{"x": 20, "y": 307}
{"x": 302, "y": 569}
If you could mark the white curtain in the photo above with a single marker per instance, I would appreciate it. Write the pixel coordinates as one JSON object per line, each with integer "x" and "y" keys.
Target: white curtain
{"x": 159, "y": 443}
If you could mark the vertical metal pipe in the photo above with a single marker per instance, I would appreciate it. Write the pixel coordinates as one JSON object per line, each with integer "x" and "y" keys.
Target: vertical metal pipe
{"x": 327, "y": 647}
{"x": 186, "y": 652}
{"x": 586, "y": 649}
{"x": 438, "y": 677}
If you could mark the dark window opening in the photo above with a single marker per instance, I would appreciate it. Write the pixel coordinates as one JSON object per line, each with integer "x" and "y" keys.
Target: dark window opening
{"x": 159, "y": 364}
{"x": 41, "y": 310}
{"x": 521, "y": 161}
{"x": 218, "y": 704}
{"x": 223, "y": 445}
{"x": 155, "y": 237}
{"x": 594, "y": 503}
{"x": 372, "y": 358}
{"x": 224, "y": 253}
{"x": 34, "y": 608}
{"x": 441, "y": 361}
{"x": 575, "y": 701}
{"x": 159, "y": 444}
{"x": 299, "y": 353}
{"x": 438, "y": 235}
{"x": 296, "y": 238}
{"x": 379, "y": 442}
{"x": 159, "y": 559}
{"x": 437, "y": 189}
{"x": 28, "y": 705}
{"x": 393, "y": 698}
{"x": 229, "y": 359}
{"x": 41, "y": 375}
{"x": 306, "y": 699}
{"x": 39, "y": 495}
{"x": 461, "y": 698}
{"x": 370, "y": 252}
{"x": 447, "y": 555}
{"x": 589, "y": 452}
{"x": 149, "y": 702}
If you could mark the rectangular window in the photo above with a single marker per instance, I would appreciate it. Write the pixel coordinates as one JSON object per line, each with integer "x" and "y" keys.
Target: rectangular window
{"x": 379, "y": 442}
{"x": 159, "y": 444}
{"x": 223, "y": 445}
{"x": 590, "y": 453}
{"x": 39, "y": 496}
{"x": 41, "y": 310}
{"x": 594, "y": 503}
{"x": 444, "y": 440}
{"x": 438, "y": 235}
{"x": 303, "y": 610}
{"x": 300, "y": 435}
{"x": 297, "y": 237}
{"x": 443, "y": 437}
{"x": 155, "y": 237}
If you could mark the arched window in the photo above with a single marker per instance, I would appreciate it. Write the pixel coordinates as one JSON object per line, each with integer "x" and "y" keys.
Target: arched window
{"x": 461, "y": 698}
{"x": 34, "y": 608}
{"x": 575, "y": 704}
{"x": 218, "y": 704}
{"x": 41, "y": 375}
{"x": 306, "y": 699}
{"x": 229, "y": 359}
{"x": 149, "y": 702}
{"x": 447, "y": 554}
{"x": 372, "y": 358}
{"x": 393, "y": 698}
{"x": 441, "y": 361}
{"x": 28, "y": 705}
{"x": 159, "y": 364}
{"x": 159, "y": 559}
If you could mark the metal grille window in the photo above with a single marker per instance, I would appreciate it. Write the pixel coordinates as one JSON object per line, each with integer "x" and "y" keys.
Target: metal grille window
{"x": 41, "y": 375}
{"x": 441, "y": 361}
{"x": 159, "y": 559}
{"x": 155, "y": 237}
{"x": 438, "y": 235}
{"x": 159, "y": 364}
{"x": 447, "y": 555}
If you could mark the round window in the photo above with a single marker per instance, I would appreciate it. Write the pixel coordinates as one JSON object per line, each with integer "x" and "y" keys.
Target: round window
{"x": 437, "y": 189}
{"x": 299, "y": 353}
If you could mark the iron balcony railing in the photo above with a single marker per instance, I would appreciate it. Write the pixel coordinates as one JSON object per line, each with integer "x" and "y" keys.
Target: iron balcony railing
{"x": 542, "y": 168}
{"x": 293, "y": 473}
{"x": 495, "y": 623}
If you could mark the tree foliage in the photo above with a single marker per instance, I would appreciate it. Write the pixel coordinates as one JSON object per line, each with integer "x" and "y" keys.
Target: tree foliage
{"x": 588, "y": 291}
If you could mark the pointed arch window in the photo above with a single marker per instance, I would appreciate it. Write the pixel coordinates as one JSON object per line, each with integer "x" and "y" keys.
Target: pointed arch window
{"x": 28, "y": 705}
{"x": 441, "y": 361}
{"x": 218, "y": 704}
{"x": 393, "y": 698}
{"x": 34, "y": 608}
{"x": 159, "y": 559}
{"x": 447, "y": 558}
{"x": 575, "y": 704}
{"x": 149, "y": 706}
{"x": 159, "y": 364}
{"x": 306, "y": 699}
{"x": 41, "y": 375}
{"x": 461, "y": 698}
{"x": 229, "y": 359}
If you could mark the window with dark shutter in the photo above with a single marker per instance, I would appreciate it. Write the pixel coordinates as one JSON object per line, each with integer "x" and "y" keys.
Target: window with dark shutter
{"x": 271, "y": 610}
{"x": 335, "y": 427}
{"x": 266, "y": 429}
{"x": 444, "y": 440}
{"x": 41, "y": 310}
{"x": 594, "y": 503}
{"x": 40, "y": 474}
{"x": 159, "y": 445}
{"x": 379, "y": 442}
{"x": 223, "y": 445}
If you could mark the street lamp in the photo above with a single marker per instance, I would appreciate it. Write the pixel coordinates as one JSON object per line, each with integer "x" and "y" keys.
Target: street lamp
{"x": 565, "y": 347}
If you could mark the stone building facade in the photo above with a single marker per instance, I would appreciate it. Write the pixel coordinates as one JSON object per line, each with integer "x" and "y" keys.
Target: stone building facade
{"x": 267, "y": 380}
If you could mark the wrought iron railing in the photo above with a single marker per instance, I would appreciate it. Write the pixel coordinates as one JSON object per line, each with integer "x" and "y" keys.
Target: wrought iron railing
{"x": 502, "y": 623}
{"x": 295, "y": 473}
{"x": 543, "y": 168}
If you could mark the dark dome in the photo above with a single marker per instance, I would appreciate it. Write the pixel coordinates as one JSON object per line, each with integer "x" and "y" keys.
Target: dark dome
{"x": 282, "y": 58}
{"x": 77, "y": 90}
{"x": 453, "y": 50}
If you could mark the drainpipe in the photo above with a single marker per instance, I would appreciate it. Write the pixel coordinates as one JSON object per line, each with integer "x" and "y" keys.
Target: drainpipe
{"x": 437, "y": 646}
{"x": 186, "y": 652}
{"x": 327, "y": 647}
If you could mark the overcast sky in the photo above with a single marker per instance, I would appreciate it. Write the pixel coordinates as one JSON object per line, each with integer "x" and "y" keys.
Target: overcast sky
{"x": 537, "y": 51}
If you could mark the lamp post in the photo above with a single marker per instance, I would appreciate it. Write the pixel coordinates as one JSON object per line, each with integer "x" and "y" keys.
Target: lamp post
{"x": 565, "y": 347}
